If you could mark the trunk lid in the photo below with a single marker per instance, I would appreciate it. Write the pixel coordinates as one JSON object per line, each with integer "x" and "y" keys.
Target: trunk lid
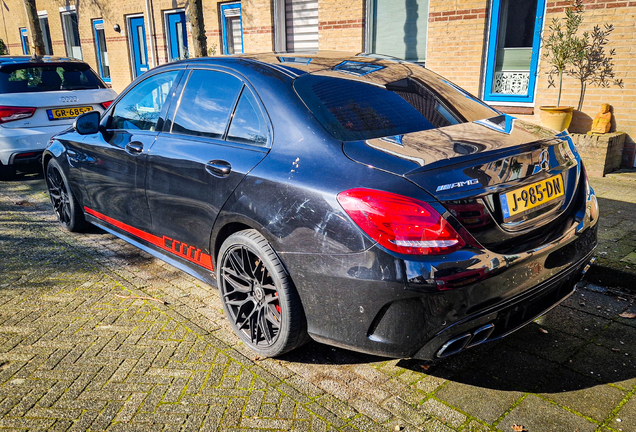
{"x": 73, "y": 101}
{"x": 510, "y": 183}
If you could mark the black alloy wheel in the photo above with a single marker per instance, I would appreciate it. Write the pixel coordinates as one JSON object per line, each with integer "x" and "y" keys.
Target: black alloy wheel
{"x": 64, "y": 203}
{"x": 258, "y": 297}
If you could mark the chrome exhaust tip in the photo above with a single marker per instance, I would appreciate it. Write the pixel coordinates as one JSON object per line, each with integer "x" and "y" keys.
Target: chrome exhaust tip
{"x": 467, "y": 340}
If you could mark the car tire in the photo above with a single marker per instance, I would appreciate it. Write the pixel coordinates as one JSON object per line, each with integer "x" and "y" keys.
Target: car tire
{"x": 7, "y": 172}
{"x": 65, "y": 205}
{"x": 258, "y": 296}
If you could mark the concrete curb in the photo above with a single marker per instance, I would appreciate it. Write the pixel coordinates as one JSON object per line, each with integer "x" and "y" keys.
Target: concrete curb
{"x": 610, "y": 277}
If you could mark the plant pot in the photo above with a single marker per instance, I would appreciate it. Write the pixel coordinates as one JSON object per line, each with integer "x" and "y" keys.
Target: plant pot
{"x": 556, "y": 117}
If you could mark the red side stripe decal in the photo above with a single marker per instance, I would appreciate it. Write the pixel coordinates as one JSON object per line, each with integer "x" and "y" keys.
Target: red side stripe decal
{"x": 182, "y": 250}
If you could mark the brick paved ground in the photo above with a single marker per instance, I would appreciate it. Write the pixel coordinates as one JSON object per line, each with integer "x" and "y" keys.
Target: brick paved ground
{"x": 75, "y": 354}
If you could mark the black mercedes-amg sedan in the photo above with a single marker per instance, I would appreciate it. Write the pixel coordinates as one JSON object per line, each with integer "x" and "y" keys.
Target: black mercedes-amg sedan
{"x": 360, "y": 201}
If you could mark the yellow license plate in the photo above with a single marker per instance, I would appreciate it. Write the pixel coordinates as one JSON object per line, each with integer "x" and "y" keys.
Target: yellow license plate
{"x": 532, "y": 196}
{"x": 64, "y": 113}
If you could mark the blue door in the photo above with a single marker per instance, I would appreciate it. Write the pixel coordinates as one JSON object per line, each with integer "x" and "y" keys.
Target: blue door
{"x": 177, "y": 36}
{"x": 513, "y": 50}
{"x": 137, "y": 35}
{"x": 24, "y": 37}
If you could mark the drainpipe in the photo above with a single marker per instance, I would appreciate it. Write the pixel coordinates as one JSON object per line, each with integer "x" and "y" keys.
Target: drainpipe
{"x": 151, "y": 27}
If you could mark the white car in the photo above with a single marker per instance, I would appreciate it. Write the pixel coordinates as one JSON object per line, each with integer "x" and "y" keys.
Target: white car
{"x": 40, "y": 97}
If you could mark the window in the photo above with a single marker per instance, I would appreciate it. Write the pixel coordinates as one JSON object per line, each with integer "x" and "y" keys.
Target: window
{"x": 357, "y": 68}
{"x": 353, "y": 110}
{"x": 248, "y": 125}
{"x": 71, "y": 35}
{"x": 513, "y": 48}
{"x": 101, "y": 50}
{"x": 206, "y": 104}
{"x": 46, "y": 34}
{"x": 232, "y": 28}
{"x": 398, "y": 28}
{"x": 140, "y": 108}
{"x": 23, "y": 78}
{"x": 296, "y": 24}
{"x": 24, "y": 38}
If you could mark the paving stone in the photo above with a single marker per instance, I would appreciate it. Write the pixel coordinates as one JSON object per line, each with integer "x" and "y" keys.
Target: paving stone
{"x": 520, "y": 371}
{"x": 371, "y": 409}
{"x": 475, "y": 426}
{"x": 429, "y": 383}
{"x": 596, "y": 303}
{"x": 405, "y": 411}
{"x": 554, "y": 345}
{"x": 538, "y": 415}
{"x": 574, "y": 322}
{"x": 619, "y": 338}
{"x": 480, "y": 395}
{"x": 443, "y": 412}
{"x": 583, "y": 394}
{"x": 625, "y": 418}
{"x": 606, "y": 365}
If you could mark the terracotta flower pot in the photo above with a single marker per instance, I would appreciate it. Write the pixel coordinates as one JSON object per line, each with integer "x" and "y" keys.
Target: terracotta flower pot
{"x": 556, "y": 117}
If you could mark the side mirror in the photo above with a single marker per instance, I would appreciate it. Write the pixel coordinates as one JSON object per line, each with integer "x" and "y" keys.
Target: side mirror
{"x": 87, "y": 123}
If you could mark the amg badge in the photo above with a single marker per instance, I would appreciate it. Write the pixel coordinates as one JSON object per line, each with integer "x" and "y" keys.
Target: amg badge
{"x": 457, "y": 184}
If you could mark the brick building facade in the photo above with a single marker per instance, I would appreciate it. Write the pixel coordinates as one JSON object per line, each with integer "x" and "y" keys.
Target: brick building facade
{"x": 489, "y": 47}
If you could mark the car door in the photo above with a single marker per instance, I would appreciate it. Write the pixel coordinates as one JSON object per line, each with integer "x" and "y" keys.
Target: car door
{"x": 112, "y": 162}
{"x": 202, "y": 156}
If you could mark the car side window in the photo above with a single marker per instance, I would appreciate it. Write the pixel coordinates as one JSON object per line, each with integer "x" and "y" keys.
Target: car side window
{"x": 206, "y": 104}
{"x": 139, "y": 109}
{"x": 248, "y": 125}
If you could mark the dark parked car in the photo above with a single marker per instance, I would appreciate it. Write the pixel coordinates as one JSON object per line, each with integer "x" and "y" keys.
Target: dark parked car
{"x": 358, "y": 201}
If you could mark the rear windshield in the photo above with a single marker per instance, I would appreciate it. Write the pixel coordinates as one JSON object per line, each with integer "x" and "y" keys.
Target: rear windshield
{"x": 39, "y": 78}
{"x": 352, "y": 110}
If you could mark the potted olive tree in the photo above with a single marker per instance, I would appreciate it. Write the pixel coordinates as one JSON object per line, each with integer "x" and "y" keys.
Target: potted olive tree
{"x": 591, "y": 63}
{"x": 560, "y": 48}
{"x": 580, "y": 55}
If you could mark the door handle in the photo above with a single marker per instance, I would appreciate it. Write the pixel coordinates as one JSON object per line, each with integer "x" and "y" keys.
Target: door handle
{"x": 218, "y": 168}
{"x": 134, "y": 147}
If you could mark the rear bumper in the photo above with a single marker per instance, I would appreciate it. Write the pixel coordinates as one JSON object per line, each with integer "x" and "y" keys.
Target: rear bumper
{"x": 16, "y": 141}
{"x": 506, "y": 317}
{"x": 381, "y": 304}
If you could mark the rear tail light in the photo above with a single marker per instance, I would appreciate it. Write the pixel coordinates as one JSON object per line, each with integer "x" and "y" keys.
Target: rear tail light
{"x": 399, "y": 223}
{"x": 9, "y": 113}
{"x": 106, "y": 104}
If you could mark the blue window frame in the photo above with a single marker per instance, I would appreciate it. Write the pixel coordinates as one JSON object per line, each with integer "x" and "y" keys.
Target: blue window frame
{"x": 101, "y": 50}
{"x": 232, "y": 28}
{"x": 513, "y": 50}
{"x": 357, "y": 68}
{"x": 297, "y": 60}
{"x": 24, "y": 37}
{"x": 177, "y": 35}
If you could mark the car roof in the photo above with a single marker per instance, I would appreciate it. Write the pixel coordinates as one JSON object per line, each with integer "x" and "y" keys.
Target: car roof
{"x": 378, "y": 70}
{"x": 8, "y": 59}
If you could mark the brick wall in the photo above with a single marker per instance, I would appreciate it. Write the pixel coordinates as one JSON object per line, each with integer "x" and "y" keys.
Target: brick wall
{"x": 456, "y": 41}
{"x": 341, "y": 25}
